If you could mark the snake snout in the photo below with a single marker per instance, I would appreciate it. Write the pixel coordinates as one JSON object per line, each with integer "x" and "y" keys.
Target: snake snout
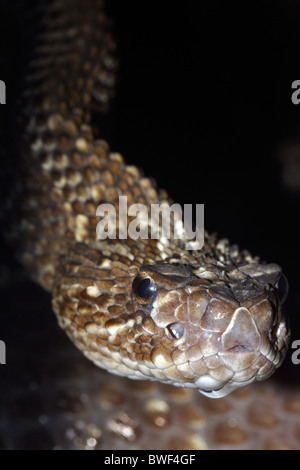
{"x": 241, "y": 335}
{"x": 253, "y": 346}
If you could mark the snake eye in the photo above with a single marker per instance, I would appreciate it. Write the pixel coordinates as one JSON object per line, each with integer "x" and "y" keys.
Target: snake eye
{"x": 144, "y": 290}
{"x": 282, "y": 288}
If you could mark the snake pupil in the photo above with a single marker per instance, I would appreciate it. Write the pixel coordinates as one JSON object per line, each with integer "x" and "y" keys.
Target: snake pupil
{"x": 144, "y": 288}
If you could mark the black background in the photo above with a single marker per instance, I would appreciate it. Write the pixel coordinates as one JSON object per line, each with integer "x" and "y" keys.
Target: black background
{"x": 204, "y": 104}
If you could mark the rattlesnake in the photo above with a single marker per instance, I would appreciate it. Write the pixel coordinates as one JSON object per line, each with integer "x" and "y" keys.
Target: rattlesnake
{"x": 210, "y": 319}
{"x": 146, "y": 308}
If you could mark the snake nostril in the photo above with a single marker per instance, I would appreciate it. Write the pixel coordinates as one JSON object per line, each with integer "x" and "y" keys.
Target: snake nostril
{"x": 176, "y": 329}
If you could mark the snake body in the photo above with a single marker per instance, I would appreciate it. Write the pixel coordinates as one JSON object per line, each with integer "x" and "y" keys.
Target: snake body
{"x": 146, "y": 309}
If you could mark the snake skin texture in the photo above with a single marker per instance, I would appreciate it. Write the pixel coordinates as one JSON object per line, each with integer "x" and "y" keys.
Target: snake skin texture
{"x": 87, "y": 408}
{"x": 229, "y": 305}
{"x": 226, "y": 304}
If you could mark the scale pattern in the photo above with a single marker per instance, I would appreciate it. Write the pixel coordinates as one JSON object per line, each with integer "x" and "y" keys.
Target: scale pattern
{"x": 227, "y": 304}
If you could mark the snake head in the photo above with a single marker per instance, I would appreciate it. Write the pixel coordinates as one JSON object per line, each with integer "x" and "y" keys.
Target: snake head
{"x": 210, "y": 326}
{"x": 214, "y": 329}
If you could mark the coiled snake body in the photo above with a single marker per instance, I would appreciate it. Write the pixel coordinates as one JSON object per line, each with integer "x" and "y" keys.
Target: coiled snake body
{"x": 146, "y": 309}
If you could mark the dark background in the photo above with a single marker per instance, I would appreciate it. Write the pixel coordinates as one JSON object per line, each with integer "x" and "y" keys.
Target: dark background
{"x": 203, "y": 104}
